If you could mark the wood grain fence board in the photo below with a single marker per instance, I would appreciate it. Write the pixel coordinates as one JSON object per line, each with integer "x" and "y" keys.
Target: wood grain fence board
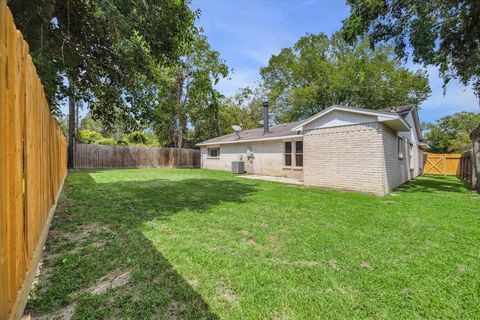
{"x": 91, "y": 156}
{"x": 32, "y": 167}
{"x": 4, "y": 293}
{"x": 466, "y": 169}
{"x": 442, "y": 164}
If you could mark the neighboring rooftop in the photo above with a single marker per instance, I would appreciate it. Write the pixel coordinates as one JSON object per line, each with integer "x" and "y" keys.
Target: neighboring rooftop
{"x": 403, "y": 111}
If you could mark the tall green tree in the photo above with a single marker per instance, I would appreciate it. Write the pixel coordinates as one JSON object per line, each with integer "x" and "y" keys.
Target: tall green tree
{"x": 441, "y": 33}
{"x": 319, "y": 71}
{"x": 451, "y": 134}
{"x": 106, "y": 53}
{"x": 187, "y": 90}
{"x": 244, "y": 108}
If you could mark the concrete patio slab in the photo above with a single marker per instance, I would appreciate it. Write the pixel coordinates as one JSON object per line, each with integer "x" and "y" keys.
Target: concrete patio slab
{"x": 274, "y": 179}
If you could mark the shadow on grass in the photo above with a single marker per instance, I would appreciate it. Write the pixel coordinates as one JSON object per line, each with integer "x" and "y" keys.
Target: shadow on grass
{"x": 97, "y": 232}
{"x": 434, "y": 184}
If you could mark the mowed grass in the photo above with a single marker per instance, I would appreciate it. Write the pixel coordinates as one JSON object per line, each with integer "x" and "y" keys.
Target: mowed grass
{"x": 193, "y": 244}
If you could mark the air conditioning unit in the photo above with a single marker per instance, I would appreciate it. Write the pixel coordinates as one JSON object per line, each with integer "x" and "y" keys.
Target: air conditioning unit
{"x": 238, "y": 167}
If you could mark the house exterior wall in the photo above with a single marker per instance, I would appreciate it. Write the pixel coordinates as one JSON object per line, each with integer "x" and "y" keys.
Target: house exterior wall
{"x": 346, "y": 157}
{"x": 268, "y": 158}
{"x": 399, "y": 171}
{"x": 361, "y": 157}
{"x": 412, "y": 134}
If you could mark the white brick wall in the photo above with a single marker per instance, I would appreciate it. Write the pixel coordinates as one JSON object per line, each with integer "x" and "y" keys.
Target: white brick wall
{"x": 346, "y": 157}
{"x": 359, "y": 157}
{"x": 398, "y": 171}
{"x": 362, "y": 157}
{"x": 268, "y": 158}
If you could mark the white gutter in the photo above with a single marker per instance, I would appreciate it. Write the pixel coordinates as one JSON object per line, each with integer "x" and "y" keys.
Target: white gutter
{"x": 250, "y": 140}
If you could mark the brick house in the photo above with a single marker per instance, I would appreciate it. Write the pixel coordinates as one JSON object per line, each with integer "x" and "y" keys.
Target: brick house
{"x": 370, "y": 151}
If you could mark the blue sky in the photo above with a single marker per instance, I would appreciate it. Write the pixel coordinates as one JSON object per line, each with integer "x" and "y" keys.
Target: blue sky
{"x": 248, "y": 32}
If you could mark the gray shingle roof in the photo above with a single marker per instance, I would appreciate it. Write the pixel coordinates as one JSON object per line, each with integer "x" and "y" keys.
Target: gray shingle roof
{"x": 284, "y": 130}
{"x": 276, "y": 131}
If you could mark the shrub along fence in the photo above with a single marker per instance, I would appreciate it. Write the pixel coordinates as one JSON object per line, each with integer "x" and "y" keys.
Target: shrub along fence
{"x": 105, "y": 156}
{"x": 33, "y": 165}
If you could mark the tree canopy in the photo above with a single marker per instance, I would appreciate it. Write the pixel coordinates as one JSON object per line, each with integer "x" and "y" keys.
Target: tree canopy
{"x": 319, "y": 71}
{"x": 187, "y": 94}
{"x": 451, "y": 133}
{"x": 110, "y": 51}
{"x": 244, "y": 108}
{"x": 441, "y": 33}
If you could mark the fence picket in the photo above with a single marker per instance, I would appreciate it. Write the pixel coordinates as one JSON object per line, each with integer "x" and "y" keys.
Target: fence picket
{"x": 103, "y": 156}
{"x": 32, "y": 167}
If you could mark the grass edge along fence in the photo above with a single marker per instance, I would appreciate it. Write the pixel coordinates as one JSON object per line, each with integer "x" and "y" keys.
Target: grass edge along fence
{"x": 33, "y": 166}
{"x": 94, "y": 156}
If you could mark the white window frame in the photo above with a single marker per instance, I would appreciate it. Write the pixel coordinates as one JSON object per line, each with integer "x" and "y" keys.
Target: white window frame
{"x": 297, "y": 153}
{"x": 209, "y": 152}
{"x": 411, "y": 157}
{"x": 289, "y": 153}
{"x": 400, "y": 148}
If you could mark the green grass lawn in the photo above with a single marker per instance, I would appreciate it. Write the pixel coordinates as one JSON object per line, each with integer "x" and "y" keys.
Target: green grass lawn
{"x": 190, "y": 244}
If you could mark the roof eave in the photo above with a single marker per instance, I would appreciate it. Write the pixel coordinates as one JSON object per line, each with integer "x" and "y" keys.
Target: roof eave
{"x": 203, "y": 144}
{"x": 382, "y": 117}
{"x": 397, "y": 124}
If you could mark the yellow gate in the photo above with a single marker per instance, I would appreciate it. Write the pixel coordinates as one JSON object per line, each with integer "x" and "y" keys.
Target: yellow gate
{"x": 442, "y": 164}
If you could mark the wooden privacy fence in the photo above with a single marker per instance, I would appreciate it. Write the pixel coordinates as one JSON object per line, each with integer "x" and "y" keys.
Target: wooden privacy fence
{"x": 33, "y": 165}
{"x": 104, "y": 156}
{"x": 442, "y": 164}
{"x": 467, "y": 172}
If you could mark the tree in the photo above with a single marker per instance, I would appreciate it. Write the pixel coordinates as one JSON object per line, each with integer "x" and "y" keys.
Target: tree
{"x": 451, "y": 134}
{"x": 318, "y": 72}
{"x": 441, "y": 33}
{"x": 244, "y": 109}
{"x": 137, "y": 137}
{"x": 109, "y": 53}
{"x": 115, "y": 130}
{"x": 89, "y": 136}
{"x": 187, "y": 91}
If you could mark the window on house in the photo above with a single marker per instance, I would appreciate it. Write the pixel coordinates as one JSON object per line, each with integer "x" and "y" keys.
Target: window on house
{"x": 299, "y": 153}
{"x": 401, "y": 148}
{"x": 288, "y": 153}
{"x": 411, "y": 156}
{"x": 213, "y": 152}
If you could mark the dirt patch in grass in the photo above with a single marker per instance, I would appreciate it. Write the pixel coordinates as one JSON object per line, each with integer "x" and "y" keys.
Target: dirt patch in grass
{"x": 224, "y": 293}
{"x": 366, "y": 265}
{"x": 65, "y": 313}
{"x": 334, "y": 265}
{"x": 112, "y": 280}
{"x": 175, "y": 309}
{"x": 282, "y": 315}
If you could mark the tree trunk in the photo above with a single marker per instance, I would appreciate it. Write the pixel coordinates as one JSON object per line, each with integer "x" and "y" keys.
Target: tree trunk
{"x": 476, "y": 162}
{"x": 475, "y": 136}
{"x": 180, "y": 114}
{"x": 71, "y": 126}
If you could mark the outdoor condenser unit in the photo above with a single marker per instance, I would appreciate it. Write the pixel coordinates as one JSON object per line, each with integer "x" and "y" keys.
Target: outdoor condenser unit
{"x": 238, "y": 167}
